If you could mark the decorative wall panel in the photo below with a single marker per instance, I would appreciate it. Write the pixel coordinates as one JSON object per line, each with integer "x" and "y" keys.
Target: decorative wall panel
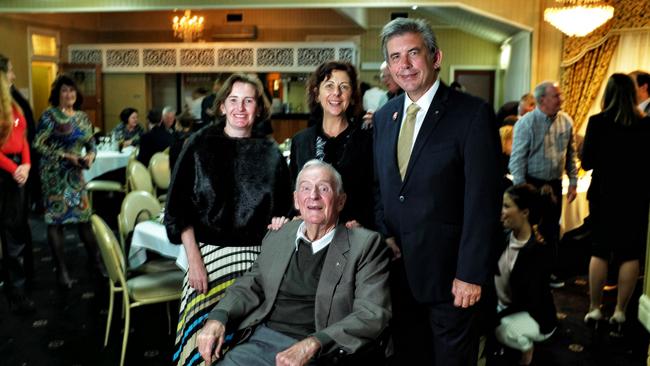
{"x": 235, "y": 57}
{"x": 197, "y": 57}
{"x": 122, "y": 58}
{"x": 296, "y": 57}
{"x": 275, "y": 56}
{"x": 314, "y": 56}
{"x": 86, "y": 56}
{"x": 159, "y": 57}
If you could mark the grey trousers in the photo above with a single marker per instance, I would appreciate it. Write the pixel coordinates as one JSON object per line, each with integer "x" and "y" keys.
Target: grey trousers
{"x": 259, "y": 350}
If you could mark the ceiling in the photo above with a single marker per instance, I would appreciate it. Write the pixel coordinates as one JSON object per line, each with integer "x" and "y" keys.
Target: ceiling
{"x": 455, "y": 15}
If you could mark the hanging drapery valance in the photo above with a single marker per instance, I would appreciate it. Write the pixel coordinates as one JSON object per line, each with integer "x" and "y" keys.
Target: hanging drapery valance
{"x": 585, "y": 60}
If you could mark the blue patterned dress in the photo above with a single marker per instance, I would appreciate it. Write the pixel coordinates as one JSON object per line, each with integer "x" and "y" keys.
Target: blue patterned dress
{"x": 66, "y": 200}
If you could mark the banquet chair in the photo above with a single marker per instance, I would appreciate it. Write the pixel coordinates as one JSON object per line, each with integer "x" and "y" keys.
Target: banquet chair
{"x": 138, "y": 206}
{"x": 138, "y": 291}
{"x": 160, "y": 172}
{"x": 138, "y": 177}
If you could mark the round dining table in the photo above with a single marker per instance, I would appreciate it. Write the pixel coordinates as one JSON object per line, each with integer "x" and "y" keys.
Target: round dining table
{"x": 106, "y": 161}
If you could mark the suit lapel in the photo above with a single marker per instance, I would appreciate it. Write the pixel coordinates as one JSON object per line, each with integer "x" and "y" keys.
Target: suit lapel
{"x": 434, "y": 115}
{"x": 393, "y": 127}
{"x": 282, "y": 255}
{"x": 333, "y": 266}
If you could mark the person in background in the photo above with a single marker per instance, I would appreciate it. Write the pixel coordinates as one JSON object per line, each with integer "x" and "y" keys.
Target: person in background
{"x": 526, "y": 104}
{"x": 128, "y": 131}
{"x": 160, "y": 137}
{"x": 336, "y": 137}
{"x": 298, "y": 276}
{"x": 524, "y": 307}
{"x": 195, "y": 102}
{"x": 387, "y": 79}
{"x": 542, "y": 151}
{"x": 436, "y": 154}
{"x": 34, "y": 180}
{"x": 62, "y": 133}
{"x": 616, "y": 147}
{"x": 208, "y": 110}
{"x": 458, "y": 86}
{"x": 169, "y": 118}
{"x": 183, "y": 131}
{"x": 505, "y": 132}
{"x": 226, "y": 186}
{"x": 15, "y": 166}
{"x": 642, "y": 81}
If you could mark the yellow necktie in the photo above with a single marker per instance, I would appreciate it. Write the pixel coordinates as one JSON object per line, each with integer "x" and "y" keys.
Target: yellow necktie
{"x": 405, "y": 141}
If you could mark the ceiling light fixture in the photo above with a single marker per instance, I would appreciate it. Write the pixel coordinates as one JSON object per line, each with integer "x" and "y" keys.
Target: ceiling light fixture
{"x": 578, "y": 17}
{"x": 188, "y": 27}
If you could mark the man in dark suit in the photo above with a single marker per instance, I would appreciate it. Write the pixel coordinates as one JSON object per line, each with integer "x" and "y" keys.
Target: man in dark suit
{"x": 317, "y": 287}
{"x": 437, "y": 165}
{"x": 161, "y": 135}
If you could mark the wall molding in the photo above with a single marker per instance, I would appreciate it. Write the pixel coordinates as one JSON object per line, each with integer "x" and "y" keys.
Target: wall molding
{"x": 212, "y": 56}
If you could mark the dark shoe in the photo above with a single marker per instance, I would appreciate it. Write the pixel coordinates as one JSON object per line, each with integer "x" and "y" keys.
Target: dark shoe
{"x": 556, "y": 282}
{"x": 21, "y": 305}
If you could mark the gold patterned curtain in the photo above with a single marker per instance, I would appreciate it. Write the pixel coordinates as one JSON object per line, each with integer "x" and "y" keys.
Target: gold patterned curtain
{"x": 581, "y": 81}
{"x": 585, "y": 60}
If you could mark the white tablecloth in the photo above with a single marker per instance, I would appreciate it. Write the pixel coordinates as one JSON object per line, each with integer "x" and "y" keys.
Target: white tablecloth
{"x": 151, "y": 235}
{"x": 574, "y": 213}
{"x": 105, "y": 161}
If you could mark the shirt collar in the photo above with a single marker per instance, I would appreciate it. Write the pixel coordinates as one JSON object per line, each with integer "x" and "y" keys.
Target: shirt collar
{"x": 425, "y": 100}
{"x": 644, "y": 104}
{"x": 316, "y": 245}
{"x": 539, "y": 114}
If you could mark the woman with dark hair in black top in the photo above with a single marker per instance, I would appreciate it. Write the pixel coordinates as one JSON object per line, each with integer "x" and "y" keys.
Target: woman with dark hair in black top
{"x": 336, "y": 137}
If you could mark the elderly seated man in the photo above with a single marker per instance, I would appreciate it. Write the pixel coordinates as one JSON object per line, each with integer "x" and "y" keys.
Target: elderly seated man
{"x": 316, "y": 288}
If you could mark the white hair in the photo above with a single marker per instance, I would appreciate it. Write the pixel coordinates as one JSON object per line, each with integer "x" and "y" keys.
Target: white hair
{"x": 315, "y": 163}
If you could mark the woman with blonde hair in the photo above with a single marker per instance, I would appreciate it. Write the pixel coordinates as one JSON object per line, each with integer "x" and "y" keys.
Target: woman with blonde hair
{"x": 15, "y": 165}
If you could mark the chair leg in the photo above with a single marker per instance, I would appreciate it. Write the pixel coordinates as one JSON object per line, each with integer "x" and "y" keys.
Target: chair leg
{"x": 127, "y": 325}
{"x": 111, "y": 300}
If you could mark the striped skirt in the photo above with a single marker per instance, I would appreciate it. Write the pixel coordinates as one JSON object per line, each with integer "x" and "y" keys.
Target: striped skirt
{"x": 224, "y": 265}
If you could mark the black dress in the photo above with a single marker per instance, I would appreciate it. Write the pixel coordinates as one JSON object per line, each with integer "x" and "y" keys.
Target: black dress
{"x": 619, "y": 191}
{"x": 350, "y": 153}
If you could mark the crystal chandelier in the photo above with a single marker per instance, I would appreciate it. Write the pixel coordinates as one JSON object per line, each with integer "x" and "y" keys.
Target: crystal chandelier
{"x": 578, "y": 17}
{"x": 187, "y": 27}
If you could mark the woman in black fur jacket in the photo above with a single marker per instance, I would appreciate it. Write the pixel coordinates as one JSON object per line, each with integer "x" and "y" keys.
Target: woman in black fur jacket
{"x": 226, "y": 187}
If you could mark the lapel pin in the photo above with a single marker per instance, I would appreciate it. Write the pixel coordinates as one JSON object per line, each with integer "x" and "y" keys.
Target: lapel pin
{"x": 395, "y": 116}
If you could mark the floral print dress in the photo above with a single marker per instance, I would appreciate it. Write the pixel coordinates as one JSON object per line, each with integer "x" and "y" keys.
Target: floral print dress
{"x": 66, "y": 200}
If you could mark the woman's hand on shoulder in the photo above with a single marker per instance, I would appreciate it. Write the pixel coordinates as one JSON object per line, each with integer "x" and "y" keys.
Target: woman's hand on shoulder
{"x": 277, "y": 223}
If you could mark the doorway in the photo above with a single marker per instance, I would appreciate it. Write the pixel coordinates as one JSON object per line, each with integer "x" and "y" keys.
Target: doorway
{"x": 43, "y": 74}
{"x": 480, "y": 83}
{"x": 44, "y": 57}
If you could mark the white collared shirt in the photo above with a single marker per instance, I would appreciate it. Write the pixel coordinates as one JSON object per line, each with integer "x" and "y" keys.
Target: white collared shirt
{"x": 424, "y": 103}
{"x": 316, "y": 245}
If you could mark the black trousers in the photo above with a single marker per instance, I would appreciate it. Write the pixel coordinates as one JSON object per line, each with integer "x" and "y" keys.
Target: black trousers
{"x": 430, "y": 334}
{"x": 15, "y": 235}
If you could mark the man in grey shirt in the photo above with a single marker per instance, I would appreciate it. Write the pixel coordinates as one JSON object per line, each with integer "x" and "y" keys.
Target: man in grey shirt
{"x": 542, "y": 150}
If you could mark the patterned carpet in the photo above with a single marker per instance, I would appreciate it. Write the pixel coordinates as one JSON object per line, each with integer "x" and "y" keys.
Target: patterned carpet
{"x": 68, "y": 326}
